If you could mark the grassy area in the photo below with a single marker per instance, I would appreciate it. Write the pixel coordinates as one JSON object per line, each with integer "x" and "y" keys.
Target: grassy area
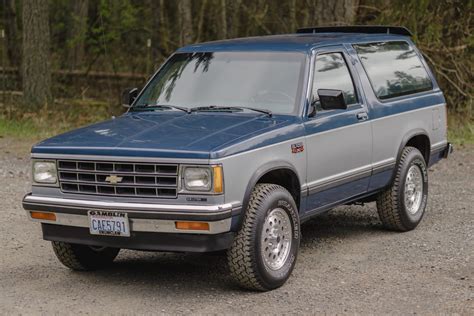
{"x": 62, "y": 116}
{"x": 68, "y": 114}
{"x": 461, "y": 127}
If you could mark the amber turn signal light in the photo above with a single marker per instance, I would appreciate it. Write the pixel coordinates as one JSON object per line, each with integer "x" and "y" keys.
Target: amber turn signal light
{"x": 192, "y": 225}
{"x": 218, "y": 179}
{"x": 43, "y": 216}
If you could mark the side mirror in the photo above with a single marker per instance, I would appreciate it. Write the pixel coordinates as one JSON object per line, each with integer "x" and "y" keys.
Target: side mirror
{"x": 332, "y": 99}
{"x": 128, "y": 96}
{"x": 312, "y": 109}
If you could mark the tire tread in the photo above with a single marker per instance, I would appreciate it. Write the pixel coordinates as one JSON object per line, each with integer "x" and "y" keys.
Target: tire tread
{"x": 242, "y": 269}
{"x": 65, "y": 253}
{"x": 388, "y": 206}
{"x": 81, "y": 258}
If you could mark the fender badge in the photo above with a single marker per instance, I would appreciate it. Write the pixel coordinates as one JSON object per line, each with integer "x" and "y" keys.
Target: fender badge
{"x": 297, "y": 148}
{"x": 196, "y": 199}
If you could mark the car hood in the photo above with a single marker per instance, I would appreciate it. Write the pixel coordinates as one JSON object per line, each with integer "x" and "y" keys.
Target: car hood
{"x": 163, "y": 134}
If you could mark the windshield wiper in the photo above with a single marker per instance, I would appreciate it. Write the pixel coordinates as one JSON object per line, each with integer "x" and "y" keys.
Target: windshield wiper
{"x": 160, "y": 106}
{"x": 265, "y": 111}
{"x": 230, "y": 108}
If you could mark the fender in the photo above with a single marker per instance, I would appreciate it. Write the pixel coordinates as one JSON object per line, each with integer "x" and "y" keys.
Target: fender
{"x": 262, "y": 170}
{"x": 406, "y": 138}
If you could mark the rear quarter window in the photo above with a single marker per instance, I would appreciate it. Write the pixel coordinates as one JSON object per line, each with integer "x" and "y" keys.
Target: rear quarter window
{"x": 394, "y": 69}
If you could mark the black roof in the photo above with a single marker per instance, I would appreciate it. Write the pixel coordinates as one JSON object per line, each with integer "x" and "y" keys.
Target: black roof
{"x": 370, "y": 29}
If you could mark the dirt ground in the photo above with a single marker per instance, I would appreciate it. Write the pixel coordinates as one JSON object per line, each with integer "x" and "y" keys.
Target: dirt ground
{"x": 347, "y": 262}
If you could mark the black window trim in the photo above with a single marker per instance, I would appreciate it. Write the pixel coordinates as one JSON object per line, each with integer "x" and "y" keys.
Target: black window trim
{"x": 340, "y": 50}
{"x": 400, "y": 96}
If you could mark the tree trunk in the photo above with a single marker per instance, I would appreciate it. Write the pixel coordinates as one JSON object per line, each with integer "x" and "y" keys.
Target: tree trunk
{"x": 164, "y": 30}
{"x": 11, "y": 32}
{"x": 200, "y": 22}
{"x": 36, "y": 45}
{"x": 335, "y": 12}
{"x": 234, "y": 27}
{"x": 159, "y": 32}
{"x": 292, "y": 15}
{"x": 186, "y": 22}
{"x": 77, "y": 33}
{"x": 222, "y": 18}
{"x": 156, "y": 8}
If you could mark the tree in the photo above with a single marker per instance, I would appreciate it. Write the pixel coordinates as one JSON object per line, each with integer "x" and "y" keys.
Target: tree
{"x": 292, "y": 15}
{"x": 200, "y": 20}
{"x": 77, "y": 31}
{"x": 222, "y": 20}
{"x": 158, "y": 31}
{"x": 234, "y": 21}
{"x": 186, "y": 21}
{"x": 11, "y": 32}
{"x": 331, "y": 12}
{"x": 36, "y": 64}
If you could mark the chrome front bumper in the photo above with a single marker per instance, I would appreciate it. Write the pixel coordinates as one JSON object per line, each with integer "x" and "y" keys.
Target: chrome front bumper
{"x": 159, "y": 218}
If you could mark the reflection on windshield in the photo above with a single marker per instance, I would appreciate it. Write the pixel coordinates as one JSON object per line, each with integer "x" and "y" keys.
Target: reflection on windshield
{"x": 260, "y": 80}
{"x": 394, "y": 69}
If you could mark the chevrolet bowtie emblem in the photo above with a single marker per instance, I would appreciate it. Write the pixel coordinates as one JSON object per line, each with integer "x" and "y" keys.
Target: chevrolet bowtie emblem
{"x": 113, "y": 179}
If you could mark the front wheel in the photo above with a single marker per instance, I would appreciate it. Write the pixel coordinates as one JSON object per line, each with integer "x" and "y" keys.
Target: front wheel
{"x": 83, "y": 257}
{"x": 264, "y": 251}
{"x": 402, "y": 206}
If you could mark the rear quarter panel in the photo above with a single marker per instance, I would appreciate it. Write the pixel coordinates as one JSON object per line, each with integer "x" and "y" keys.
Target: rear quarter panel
{"x": 395, "y": 120}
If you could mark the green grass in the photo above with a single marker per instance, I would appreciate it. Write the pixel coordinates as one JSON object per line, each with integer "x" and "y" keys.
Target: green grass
{"x": 461, "y": 129}
{"x": 461, "y": 133}
{"x": 21, "y": 129}
{"x": 64, "y": 115}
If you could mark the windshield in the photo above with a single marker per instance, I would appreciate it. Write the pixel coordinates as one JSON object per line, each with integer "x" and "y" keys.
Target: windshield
{"x": 261, "y": 80}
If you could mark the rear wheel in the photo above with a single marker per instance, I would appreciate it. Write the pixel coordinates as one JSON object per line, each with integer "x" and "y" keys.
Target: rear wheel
{"x": 82, "y": 257}
{"x": 264, "y": 251}
{"x": 402, "y": 206}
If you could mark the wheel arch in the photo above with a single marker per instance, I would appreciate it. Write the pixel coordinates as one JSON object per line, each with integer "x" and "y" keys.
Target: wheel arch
{"x": 273, "y": 172}
{"x": 419, "y": 139}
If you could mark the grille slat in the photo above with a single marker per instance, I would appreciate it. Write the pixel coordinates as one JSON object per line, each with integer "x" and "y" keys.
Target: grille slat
{"x": 136, "y": 179}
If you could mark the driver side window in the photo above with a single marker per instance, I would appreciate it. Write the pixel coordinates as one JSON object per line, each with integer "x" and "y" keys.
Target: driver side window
{"x": 331, "y": 72}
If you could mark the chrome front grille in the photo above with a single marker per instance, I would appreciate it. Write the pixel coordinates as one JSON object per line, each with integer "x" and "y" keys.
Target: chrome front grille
{"x": 118, "y": 178}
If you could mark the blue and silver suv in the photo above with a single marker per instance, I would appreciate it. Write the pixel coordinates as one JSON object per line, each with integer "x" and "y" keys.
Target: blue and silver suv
{"x": 233, "y": 144}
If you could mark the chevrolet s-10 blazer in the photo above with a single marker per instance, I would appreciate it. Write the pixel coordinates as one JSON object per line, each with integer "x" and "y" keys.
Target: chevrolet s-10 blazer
{"x": 233, "y": 144}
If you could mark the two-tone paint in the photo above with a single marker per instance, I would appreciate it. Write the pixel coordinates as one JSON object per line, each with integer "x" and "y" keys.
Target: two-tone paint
{"x": 344, "y": 155}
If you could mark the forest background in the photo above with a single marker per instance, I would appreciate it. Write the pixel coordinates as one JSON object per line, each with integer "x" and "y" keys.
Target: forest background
{"x": 64, "y": 63}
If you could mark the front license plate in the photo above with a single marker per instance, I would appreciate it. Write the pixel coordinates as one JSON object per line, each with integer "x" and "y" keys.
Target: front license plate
{"x": 109, "y": 223}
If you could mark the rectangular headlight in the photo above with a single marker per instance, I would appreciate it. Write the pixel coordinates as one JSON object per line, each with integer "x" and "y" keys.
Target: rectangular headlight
{"x": 44, "y": 172}
{"x": 203, "y": 179}
{"x": 197, "y": 178}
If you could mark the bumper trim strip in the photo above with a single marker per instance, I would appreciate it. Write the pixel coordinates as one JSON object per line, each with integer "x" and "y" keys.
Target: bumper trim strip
{"x": 161, "y": 208}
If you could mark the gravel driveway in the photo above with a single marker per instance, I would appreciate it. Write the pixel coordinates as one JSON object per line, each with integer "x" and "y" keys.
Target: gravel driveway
{"x": 347, "y": 262}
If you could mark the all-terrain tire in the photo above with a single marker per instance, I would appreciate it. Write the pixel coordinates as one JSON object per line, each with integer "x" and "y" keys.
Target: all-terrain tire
{"x": 391, "y": 205}
{"x": 82, "y": 257}
{"x": 246, "y": 257}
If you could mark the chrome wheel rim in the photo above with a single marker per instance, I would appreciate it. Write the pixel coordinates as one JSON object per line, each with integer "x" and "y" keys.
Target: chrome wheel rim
{"x": 413, "y": 189}
{"x": 276, "y": 239}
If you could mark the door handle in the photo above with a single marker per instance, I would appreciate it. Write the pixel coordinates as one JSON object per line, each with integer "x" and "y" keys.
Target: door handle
{"x": 362, "y": 116}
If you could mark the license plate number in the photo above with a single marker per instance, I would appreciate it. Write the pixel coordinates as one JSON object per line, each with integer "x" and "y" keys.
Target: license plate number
{"x": 109, "y": 223}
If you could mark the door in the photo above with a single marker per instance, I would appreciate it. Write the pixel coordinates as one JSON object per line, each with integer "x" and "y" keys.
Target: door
{"x": 339, "y": 142}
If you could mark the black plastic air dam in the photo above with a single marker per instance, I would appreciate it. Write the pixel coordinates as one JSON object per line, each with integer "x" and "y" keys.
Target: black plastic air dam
{"x": 140, "y": 240}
